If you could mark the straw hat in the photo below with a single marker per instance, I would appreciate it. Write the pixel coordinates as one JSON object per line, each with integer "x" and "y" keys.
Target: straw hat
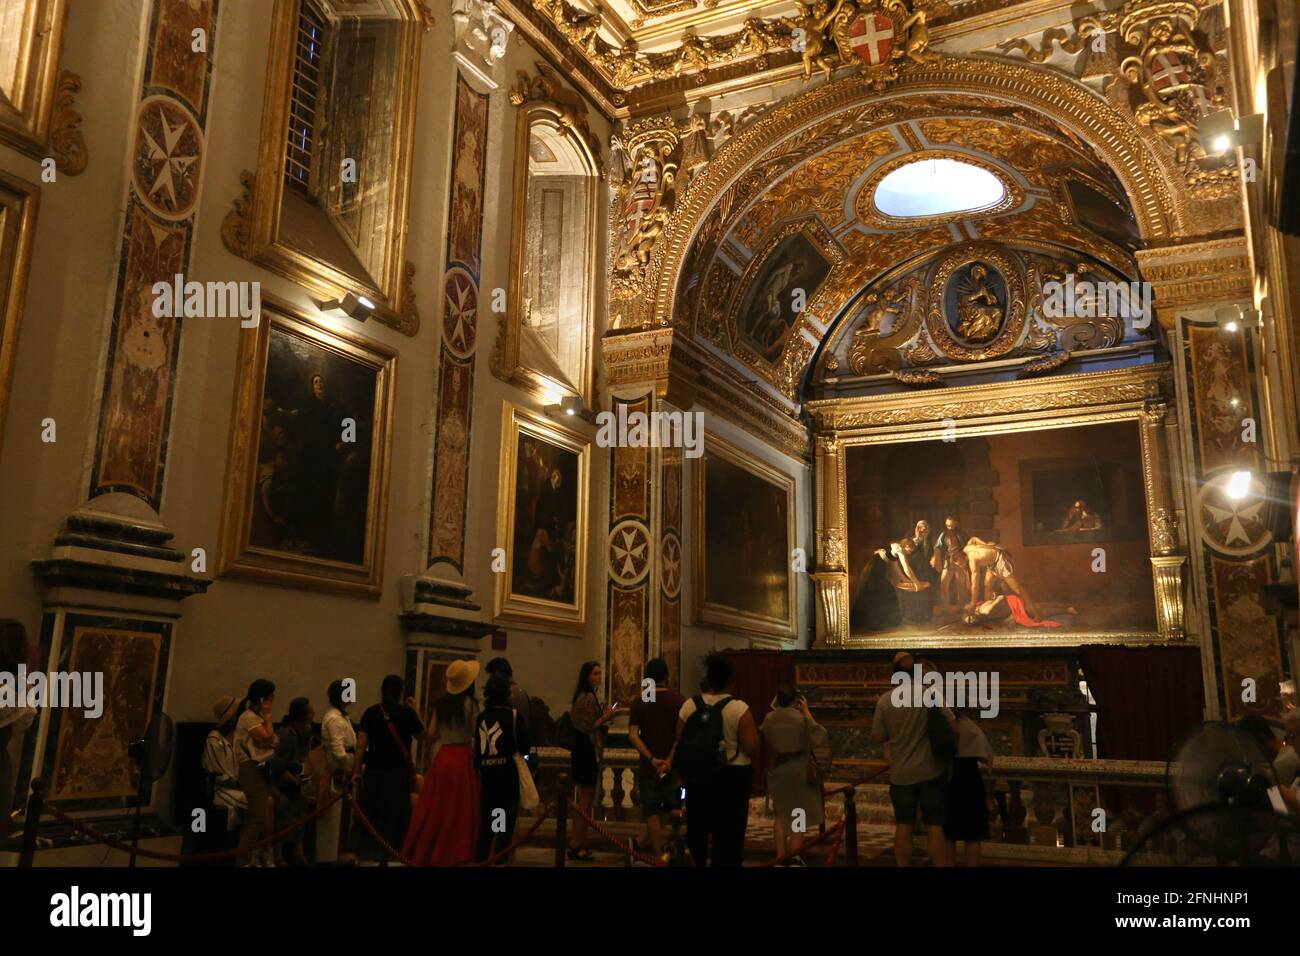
{"x": 461, "y": 674}
{"x": 224, "y": 708}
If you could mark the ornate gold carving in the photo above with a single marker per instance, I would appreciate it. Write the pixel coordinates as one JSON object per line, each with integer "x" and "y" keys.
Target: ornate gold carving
{"x": 1164, "y": 531}
{"x": 1044, "y": 365}
{"x": 817, "y": 119}
{"x": 901, "y": 35}
{"x": 66, "y": 141}
{"x": 832, "y": 550}
{"x": 1071, "y": 41}
{"x": 236, "y": 227}
{"x": 1167, "y": 572}
{"x": 1123, "y": 393}
{"x": 1172, "y": 71}
{"x": 547, "y": 88}
{"x": 983, "y": 335}
{"x": 789, "y": 372}
{"x": 650, "y": 153}
{"x": 915, "y": 376}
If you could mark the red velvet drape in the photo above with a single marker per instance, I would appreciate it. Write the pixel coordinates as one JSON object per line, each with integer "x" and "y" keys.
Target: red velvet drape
{"x": 758, "y": 674}
{"x": 1148, "y": 698}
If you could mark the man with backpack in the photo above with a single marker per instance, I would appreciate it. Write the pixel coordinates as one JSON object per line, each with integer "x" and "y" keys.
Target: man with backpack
{"x": 717, "y": 742}
{"x": 919, "y": 743}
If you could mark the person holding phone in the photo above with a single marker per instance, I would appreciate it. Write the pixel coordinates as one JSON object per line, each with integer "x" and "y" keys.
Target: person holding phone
{"x": 793, "y": 779}
{"x": 589, "y": 718}
{"x": 255, "y": 742}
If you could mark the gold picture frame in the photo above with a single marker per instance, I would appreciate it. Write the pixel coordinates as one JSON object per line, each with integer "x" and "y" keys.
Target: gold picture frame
{"x": 19, "y": 200}
{"x": 281, "y": 536}
{"x": 544, "y": 581}
{"x": 36, "y": 116}
{"x": 1134, "y": 394}
{"x": 708, "y": 610}
{"x": 252, "y": 230}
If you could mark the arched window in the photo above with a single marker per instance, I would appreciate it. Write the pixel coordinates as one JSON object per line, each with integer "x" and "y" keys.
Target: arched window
{"x": 548, "y": 337}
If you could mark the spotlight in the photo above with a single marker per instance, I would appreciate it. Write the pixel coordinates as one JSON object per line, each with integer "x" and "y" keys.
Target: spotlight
{"x": 569, "y": 406}
{"x": 1221, "y": 131}
{"x": 1239, "y": 484}
{"x": 1234, "y": 318}
{"x": 357, "y": 306}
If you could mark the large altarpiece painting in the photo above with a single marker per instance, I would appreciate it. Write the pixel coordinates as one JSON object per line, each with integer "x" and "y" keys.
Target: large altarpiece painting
{"x": 1008, "y": 534}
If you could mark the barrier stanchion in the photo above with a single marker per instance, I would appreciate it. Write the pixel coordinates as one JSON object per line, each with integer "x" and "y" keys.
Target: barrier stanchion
{"x": 562, "y": 821}
{"x": 851, "y": 828}
{"x": 35, "y": 805}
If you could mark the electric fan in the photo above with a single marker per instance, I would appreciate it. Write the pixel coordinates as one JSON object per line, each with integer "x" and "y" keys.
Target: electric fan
{"x": 1219, "y": 781}
{"x": 152, "y": 754}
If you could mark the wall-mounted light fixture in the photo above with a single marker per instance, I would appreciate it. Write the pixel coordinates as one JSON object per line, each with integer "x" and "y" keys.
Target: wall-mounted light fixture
{"x": 1234, "y": 318}
{"x": 357, "y": 306}
{"x": 567, "y": 407}
{"x": 1221, "y": 131}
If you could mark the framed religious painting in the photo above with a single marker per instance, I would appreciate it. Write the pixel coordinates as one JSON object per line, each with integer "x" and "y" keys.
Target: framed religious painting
{"x": 328, "y": 205}
{"x": 542, "y": 522}
{"x": 19, "y": 200}
{"x": 1022, "y": 536}
{"x": 307, "y": 486}
{"x": 36, "y": 114}
{"x": 744, "y": 535}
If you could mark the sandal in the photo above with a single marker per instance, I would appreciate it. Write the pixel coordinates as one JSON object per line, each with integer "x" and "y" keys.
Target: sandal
{"x": 580, "y": 853}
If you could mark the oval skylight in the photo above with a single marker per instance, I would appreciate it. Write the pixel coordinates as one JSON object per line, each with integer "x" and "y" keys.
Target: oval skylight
{"x": 937, "y": 187}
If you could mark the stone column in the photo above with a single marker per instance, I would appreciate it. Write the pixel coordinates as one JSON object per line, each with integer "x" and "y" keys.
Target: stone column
{"x": 831, "y": 578}
{"x": 1199, "y": 289}
{"x": 113, "y": 582}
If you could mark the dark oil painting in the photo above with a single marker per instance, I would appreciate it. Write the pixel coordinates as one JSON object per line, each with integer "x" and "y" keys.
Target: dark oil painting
{"x": 767, "y": 311}
{"x": 746, "y": 548}
{"x": 546, "y": 521}
{"x": 313, "y": 485}
{"x": 1021, "y": 533}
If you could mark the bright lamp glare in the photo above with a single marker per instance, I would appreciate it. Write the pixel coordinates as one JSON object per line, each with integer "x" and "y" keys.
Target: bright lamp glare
{"x": 1231, "y": 327}
{"x": 1221, "y": 143}
{"x": 1239, "y": 484}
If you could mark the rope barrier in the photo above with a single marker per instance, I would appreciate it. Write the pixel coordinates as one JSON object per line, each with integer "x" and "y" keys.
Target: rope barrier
{"x": 86, "y": 830}
{"x": 505, "y": 852}
{"x": 820, "y": 838}
{"x": 626, "y": 848}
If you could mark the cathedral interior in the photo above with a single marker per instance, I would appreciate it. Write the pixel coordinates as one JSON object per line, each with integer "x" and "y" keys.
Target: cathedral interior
{"x": 803, "y": 333}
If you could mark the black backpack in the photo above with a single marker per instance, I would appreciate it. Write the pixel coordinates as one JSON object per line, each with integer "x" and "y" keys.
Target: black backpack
{"x": 943, "y": 742}
{"x": 701, "y": 750}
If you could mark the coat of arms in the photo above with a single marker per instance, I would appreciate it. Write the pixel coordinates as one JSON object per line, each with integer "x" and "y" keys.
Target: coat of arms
{"x": 878, "y": 34}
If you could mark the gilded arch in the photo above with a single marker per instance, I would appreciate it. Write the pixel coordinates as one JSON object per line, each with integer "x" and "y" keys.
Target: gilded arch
{"x": 1158, "y": 201}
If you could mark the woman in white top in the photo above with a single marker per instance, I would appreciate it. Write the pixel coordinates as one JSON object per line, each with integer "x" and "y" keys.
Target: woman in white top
{"x": 255, "y": 742}
{"x": 339, "y": 742}
{"x": 219, "y": 760}
{"x": 968, "y": 806}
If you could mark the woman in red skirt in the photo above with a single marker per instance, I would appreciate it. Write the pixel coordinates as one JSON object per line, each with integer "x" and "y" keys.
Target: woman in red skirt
{"x": 444, "y": 824}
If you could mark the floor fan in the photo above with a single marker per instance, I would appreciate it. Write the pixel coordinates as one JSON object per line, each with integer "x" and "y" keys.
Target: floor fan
{"x": 151, "y": 754}
{"x": 1219, "y": 781}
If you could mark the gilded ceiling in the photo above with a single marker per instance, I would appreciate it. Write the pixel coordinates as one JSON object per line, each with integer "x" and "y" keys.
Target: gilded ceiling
{"x": 815, "y": 204}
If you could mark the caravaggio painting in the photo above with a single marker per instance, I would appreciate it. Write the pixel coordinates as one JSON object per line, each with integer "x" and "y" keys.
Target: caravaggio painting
{"x": 774, "y": 298}
{"x": 543, "y": 511}
{"x": 1013, "y": 534}
{"x": 745, "y": 533}
{"x": 312, "y": 469}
